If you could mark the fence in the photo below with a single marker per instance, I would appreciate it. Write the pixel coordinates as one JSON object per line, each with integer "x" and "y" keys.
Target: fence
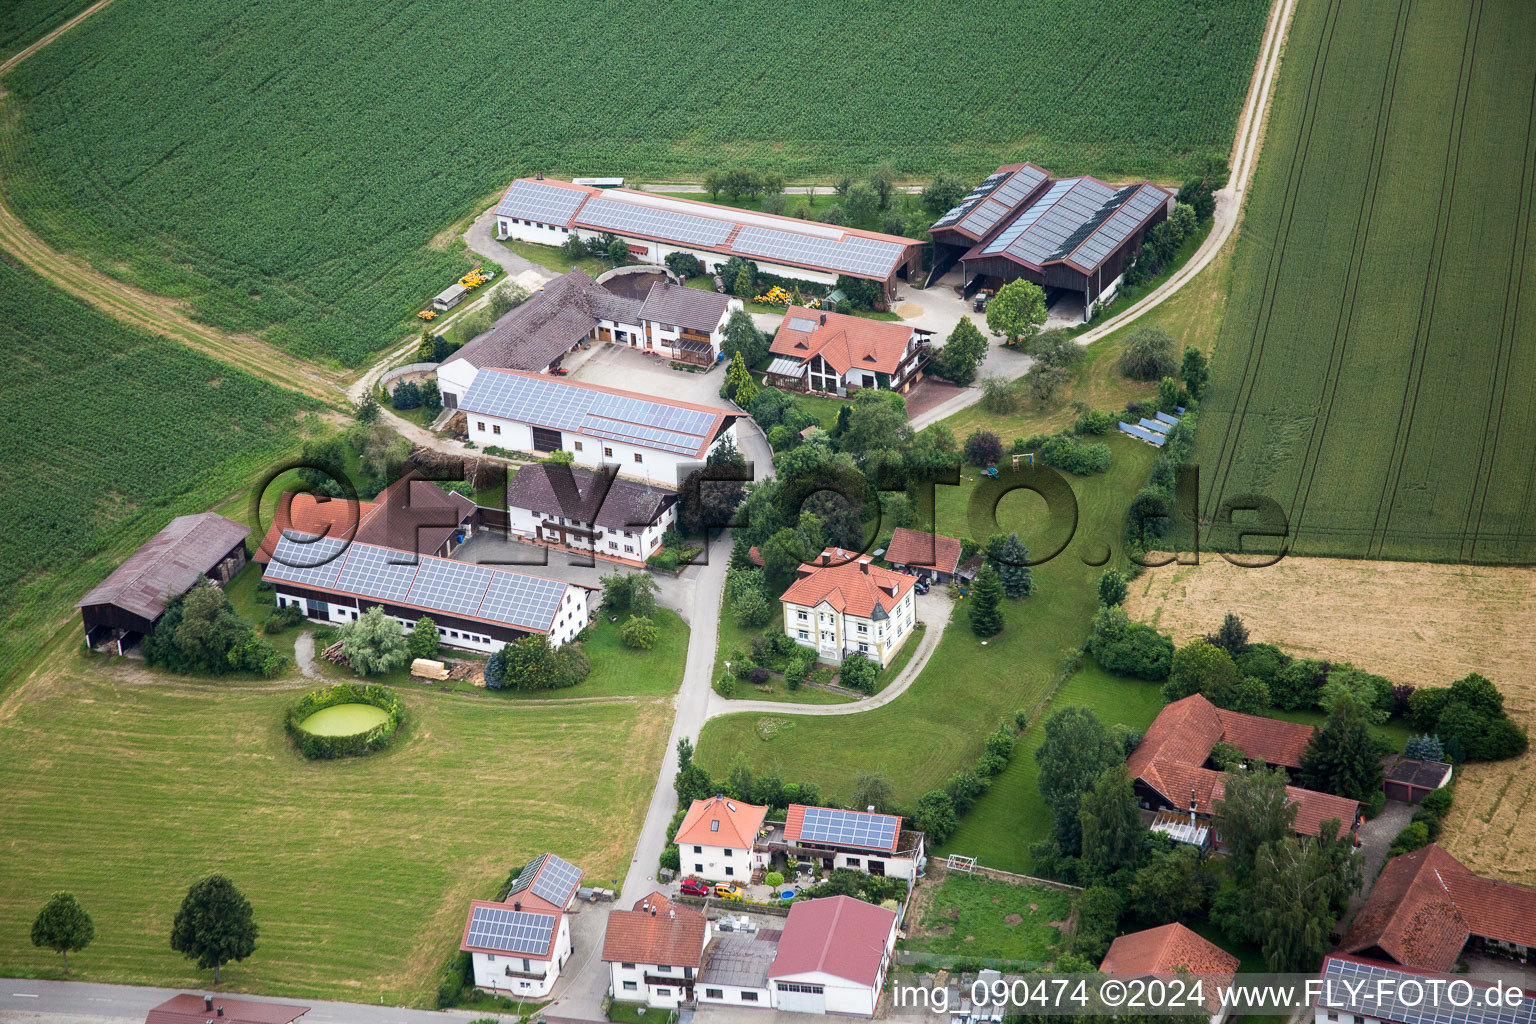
{"x": 400, "y": 371}
{"x": 969, "y": 866}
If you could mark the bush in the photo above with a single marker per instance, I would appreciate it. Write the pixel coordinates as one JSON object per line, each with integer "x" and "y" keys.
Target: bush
{"x": 773, "y": 879}
{"x": 1094, "y": 421}
{"x": 725, "y": 686}
{"x": 1129, "y": 648}
{"x": 758, "y": 676}
{"x": 1414, "y": 835}
{"x": 423, "y": 640}
{"x": 639, "y": 633}
{"x": 983, "y": 448}
{"x": 281, "y": 619}
{"x": 990, "y": 765}
{"x": 859, "y": 673}
{"x": 324, "y": 747}
{"x": 671, "y": 859}
{"x": 1065, "y": 452}
{"x": 666, "y": 560}
{"x": 406, "y": 396}
{"x": 456, "y": 975}
{"x": 1150, "y": 354}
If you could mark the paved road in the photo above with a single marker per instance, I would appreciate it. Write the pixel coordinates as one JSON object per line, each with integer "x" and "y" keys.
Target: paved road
{"x": 23, "y": 1000}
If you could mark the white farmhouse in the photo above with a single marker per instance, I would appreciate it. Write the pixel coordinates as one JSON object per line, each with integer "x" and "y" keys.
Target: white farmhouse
{"x": 837, "y": 354}
{"x": 654, "y": 952}
{"x": 875, "y": 844}
{"x": 843, "y": 604}
{"x": 647, "y": 438}
{"x": 518, "y": 946}
{"x": 718, "y": 840}
{"x": 833, "y": 957}
{"x": 595, "y": 513}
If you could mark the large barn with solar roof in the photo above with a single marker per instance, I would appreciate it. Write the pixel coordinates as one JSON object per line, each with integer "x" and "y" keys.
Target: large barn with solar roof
{"x": 653, "y": 226}
{"x": 1064, "y": 234}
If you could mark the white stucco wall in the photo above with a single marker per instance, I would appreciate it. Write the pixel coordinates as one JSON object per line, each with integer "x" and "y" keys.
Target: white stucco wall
{"x": 844, "y": 630}
{"x": 711, "y": 862}
{"x": 491, "y": 968}
{"x": 653, "y": 994}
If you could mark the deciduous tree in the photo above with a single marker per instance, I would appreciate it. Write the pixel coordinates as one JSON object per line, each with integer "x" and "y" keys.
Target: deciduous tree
{"x": 63, "y": 926}
{"x": 215, "y": 925}
{"x": 1111, "y": 825}
{"x": 1073, "y": 756}
{"x": 1017, "y": 311}
{"x": 374, "y": 643}
{"x": 1253, "y": 811}
{"x": 962, "y": 353}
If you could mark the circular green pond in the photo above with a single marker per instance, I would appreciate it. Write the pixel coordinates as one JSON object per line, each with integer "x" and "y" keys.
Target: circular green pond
{"x": 344, "y": 720}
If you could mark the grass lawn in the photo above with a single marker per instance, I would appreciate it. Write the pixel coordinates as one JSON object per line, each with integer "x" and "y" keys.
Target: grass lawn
{"x": 552, "y": 257}
{"x": 939, "y": 724}
{"x": 825, "y": 409}
{"x": 1011, "y": 816}
{"x": 976, "y": 916}
{"x": 125, "y": 786}
{"x": 636, "y": 1013}
{"x": 732, "y": 637}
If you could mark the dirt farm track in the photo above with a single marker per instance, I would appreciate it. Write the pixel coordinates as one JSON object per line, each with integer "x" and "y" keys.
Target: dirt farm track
{"x": 1413, "y": 622}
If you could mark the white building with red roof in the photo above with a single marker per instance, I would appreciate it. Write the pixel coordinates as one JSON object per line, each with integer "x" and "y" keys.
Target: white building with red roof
{"x": 875, "y": 844}
{"x": 843, "y": 604}
{"x": 654, "y": 952}
{"x": 518, "y": 946}
{"x": 836, "y": 354}
{"x": 833, "y": 957}
{"x": 720, "y": 840}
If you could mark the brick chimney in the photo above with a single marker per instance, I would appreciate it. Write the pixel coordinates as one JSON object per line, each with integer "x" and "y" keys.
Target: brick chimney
{"x": 863, "y": 567}
{"x": 823, "y": 319}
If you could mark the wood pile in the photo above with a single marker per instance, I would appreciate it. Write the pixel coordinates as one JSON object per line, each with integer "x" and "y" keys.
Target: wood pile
{"x": 426, "y": 668}
{"x": 333, "y": 654}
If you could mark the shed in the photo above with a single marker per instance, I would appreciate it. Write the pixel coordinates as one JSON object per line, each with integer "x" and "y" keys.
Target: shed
{"x": 450, "y": 296}
{"x": 132, "y": 599}
{"x": 187, "y": 1008}
{"x": 1410, "y": 780}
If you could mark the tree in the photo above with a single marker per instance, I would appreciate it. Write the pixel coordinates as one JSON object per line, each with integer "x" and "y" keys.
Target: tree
{"x": 741, "y": 335}
{"x": 1073, "y": 756}
{"x": 1254, "y": 811}
{"x": 935, "y": 816}
{"x": 1129, "y": 648}
{"x": 1099, "y": 908}
{"x": 1342, "y": 757}
{"x": 962, "y": 353}
{"x": 859, "y": 673}
{"x": 1042, "y": 380}
{"x": 1017, "y": 311}
{"x": 374, "y": 643}
{"x": 963, "y": 788}
{"x": 406, "y": 396}
{"x": 691, "y": 782}
{"x": 201, "y": 632}
{"x": 505, "y": 299}
{"x": 617, "y": 252}
{"x": 367, "y": 410}
{"x": 740, "y": 387}
{"x": 1111, "y": 825}
{"x": 215, "y": 925}
{"x": 997, "y": 394}
{"x": 862, "y": 203}
{"x": 874, "y": 421}
{"x": 1424, "y": 748}
{"x": 742, "y": 286}
{"x": 883, "y": 180}
{"x": 1148, "y": 355}
{"x": 639, "y": 632}
{"x": 1370, "y": 693}
{"x": 983, "y": 448}
{"x": 642, "y": 589}
{"x": 986, "y": 594}
{"x": 1011, "y": 560}
{"x": 424, "y": 641}
{"x": 945, "y": 191}
{"x": 1297, "y": 889}
{"x": 527, "y": 663}
{"x": 1199, "y": 666}
{"x": 1055, "y": 348}
{"x": 431, "y": 397}
{"x": 714, "y": 183}
{"x": 1195, "y": 371}
{"x": 753, "y": 610}
{"x": 1112, "y": 587}
{"x": 63, "y": 926}
{"x": 873, "y": 791}
{"x": 1169, "y": 887}
{"x": 1232, "y": 637}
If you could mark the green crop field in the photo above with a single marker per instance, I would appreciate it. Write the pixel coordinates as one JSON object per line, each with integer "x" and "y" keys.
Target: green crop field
{"x": 108, "y": 435}
{"x": 284, "y": 166}
{"x": 24, "y": 22}
{"x": 939, "y": 725}
{"x": 124, "y": 786}
{"x": 1376, "y": 372}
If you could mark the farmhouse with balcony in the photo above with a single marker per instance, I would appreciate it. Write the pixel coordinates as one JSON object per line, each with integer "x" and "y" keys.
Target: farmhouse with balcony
{"x": 518, "y": 946}
{"x": 654, "y": 952}
{"x": 595, "y": 513}
{"x": 1171, "y": 948}
{"x": 844, "y": 604}
{"x": 836, "y": 354}
{"x": 1171, "y": 768}
{"x": 720, "y": 840}
{"x": 124, "y": 607}
{"x": 1427, "y": 907}
{"x": 1068, "y": 235}
{"x": 654, "y": 226}
{"x": 652, "y": 439}
{"x": 831, "y": 838}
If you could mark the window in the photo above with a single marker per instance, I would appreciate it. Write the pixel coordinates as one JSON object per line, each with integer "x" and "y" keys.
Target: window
{"x": 714, "y": 993}
{"x": 727, "y": 852}
{"x": 714, "y": 826}
{"x": 698, "y": 849}
{"x": 688, "y": 972}
{"x": 630, "y": 986}
{"x": 578, "y": 445}
{"x": 663, "y": 993}
{"x": 749, "y": 997}
{"x": 490, "y": 957}
{"x": 627, "y": 967}
{"x": 864, "y": 648}
{"x": 1332, "y": 1015}
{"x": 795, "y": 986}
{"x": 663, "y": 969}
{"x": 480, "y": 425}
{"x": 863, "y": 628}
{"x": 608, "y": 451}
{"x": 802, "y": 615}
{"x": 804, "y": 635}
{"x": 853, "y": 862}
{"x": 698, "y": 869}
{"x": 495, "y": 428}
{"x": 729, "y": 870}
{"x": 639, "y": 457}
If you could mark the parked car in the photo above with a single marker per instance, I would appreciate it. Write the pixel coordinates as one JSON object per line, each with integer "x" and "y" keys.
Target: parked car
{"x": 693, "y": 887}
{"x": 921, "y": 586}
{"x": 727, "y": 891}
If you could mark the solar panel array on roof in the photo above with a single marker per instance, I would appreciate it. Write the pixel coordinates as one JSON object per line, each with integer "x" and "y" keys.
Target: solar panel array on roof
{"x": 853, "y": 254}
{"x": 1018, "y": 187}
{"x": 526, "y": 876}
{"x": 632, "y": 218}
{"x": 298, "y": 558}
{"x": 1042, "y": 240}
{"x": 957, "y": 211}
{"x": 980, "y": 220}
{"x": 1118, "y": 226}
{"x": 541, "y": 203}
{"x": 802, "y": 323}
{"x": 1379, "y": 992}
{"x": 550, "y": 403}
{"x": 511, "y": 931}
{"x": 370, "y": 571}
{"x": 557, "y": 881}
{"x": 849, "y": 828}
{"x": 1027, "y": 219}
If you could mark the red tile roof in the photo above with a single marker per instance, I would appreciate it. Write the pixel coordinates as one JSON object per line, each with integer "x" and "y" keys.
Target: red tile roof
{"x": 839, "y": 935}
{"x": 845, "y": 342}
{"x": 722, "y": 822}
{"x": 1171, "y": 759}
{"x": 1167, "y": 949}
{"x": 1426, "y": 904}
{"x": 414, "y": 514}
{"x": 314, "y": 516}
{"x": 926, "y": 550}
{"x": 671, "y": 935}
{"x": 856, "y": 587}
{"x": 191, "y": 1009}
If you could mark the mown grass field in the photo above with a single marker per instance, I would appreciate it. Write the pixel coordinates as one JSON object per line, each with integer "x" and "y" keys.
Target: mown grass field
{"x": 1376, "y": 369}
{"x": 939, "y": 724}
{"x": 284, "y": 168}
{"x": 109, "y": 434}
{"x": 124, "y": 787}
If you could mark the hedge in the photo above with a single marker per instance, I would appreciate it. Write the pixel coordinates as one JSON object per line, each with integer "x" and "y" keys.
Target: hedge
{"x": 325, "y": 747}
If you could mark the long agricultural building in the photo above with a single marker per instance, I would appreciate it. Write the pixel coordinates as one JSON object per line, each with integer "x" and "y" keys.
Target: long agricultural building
{"x": 653, "y": 226}
{"x": 1066, "y": 234}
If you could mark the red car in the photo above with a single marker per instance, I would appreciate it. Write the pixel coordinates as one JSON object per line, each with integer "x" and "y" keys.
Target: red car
{"x": 694, "y": 887}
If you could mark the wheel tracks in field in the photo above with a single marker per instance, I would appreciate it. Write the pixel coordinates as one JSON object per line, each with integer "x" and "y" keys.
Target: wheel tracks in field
{"x": 1345, "y": 323}
{"x": 23, "y": 54}
{"x": 1430, "y": 298}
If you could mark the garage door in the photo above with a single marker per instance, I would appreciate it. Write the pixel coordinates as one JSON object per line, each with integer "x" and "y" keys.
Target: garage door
{"x": 795, "y": 997}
